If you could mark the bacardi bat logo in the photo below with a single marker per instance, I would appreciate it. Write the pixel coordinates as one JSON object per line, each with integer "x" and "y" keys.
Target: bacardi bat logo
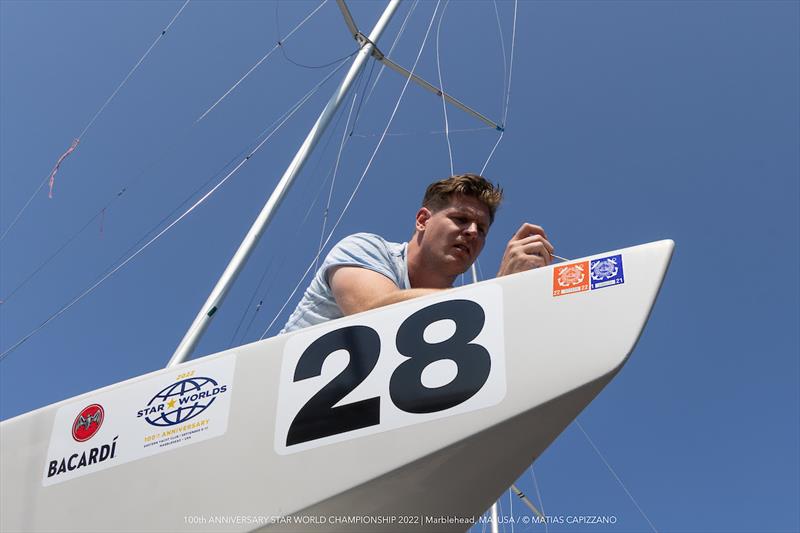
{"x": 88, "y": 422}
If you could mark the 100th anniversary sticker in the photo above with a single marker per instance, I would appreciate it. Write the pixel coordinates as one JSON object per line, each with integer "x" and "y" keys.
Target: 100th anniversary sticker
{"x": 173, "y": 409}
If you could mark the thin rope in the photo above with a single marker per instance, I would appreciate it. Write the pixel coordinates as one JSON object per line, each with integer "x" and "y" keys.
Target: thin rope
{"x": 391, "y": 48}
{"x": 435, "y": 132}
{"x": 539, "y": 498}
{"x": 120, "y": 194}
{"x": 267, "y": 269}
{"x": 441, "y": 86}
{"x": 503, "y": 50}
{"x": 361, "y": 102}
{"x": 51, "y": 176}
{"x": 345, "y": 136}
{"x": 171, "y": 225}
{"x": 299, "y": 227}
{"x": 311, "y": 207}
{"x": 508, "y": 91}
{"x": 577, "y": 422}
{"x": 292, "y": 61}
{"x": 284, "y": 257}
{"x": 510, "y": 66}
{"x": 275, "y": 47}
{"x": 49, "y": 259}
{"x": 83, "y": 228}
{"x": 313, "y": 67}
{"x": 500, "y": 138}
{"x": 511, "y": 510}
{"x": 136, "y": 66}
{"x": 500, "y": 512}
{"x": 363, "y": 174}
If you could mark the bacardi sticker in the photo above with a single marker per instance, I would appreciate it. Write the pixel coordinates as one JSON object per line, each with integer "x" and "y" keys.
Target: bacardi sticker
{"x": 607, "y": 271}
{"x": 570, "y": 278}
{"x": 396, "y": 367}
{"x": 166, "y": 411}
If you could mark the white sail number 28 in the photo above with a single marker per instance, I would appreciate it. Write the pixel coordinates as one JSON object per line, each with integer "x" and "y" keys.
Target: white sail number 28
{"x": 319, "y": 418}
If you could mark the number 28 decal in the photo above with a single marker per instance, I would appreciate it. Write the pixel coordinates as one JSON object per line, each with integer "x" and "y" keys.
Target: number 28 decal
{"x": 395, "y": 368}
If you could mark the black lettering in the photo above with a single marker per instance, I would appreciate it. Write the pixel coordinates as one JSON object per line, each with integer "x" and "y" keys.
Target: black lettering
{"x": 72, "y": 457}
{"x": 82, "y": 462}
{"x": 319, "y": 418}
{"x": 473, "y": 360}
{"x": 105, "y": 451}
{"x": 51, "y": 469}
{"x": 93, "y": 456}
{"x": 114, "y": 446}
{"x": 62, "y": 467}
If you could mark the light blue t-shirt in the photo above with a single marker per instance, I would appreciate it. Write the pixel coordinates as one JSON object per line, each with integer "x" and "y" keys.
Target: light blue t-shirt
{"x": 364, "y": 250}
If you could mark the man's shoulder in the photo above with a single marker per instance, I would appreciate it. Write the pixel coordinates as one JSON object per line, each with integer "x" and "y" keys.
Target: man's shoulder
{"x": 367, "y": 242}
{"x": 366, "y": 249}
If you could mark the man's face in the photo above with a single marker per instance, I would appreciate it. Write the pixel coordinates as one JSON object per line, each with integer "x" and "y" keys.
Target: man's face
{"x": 453, "y": 236}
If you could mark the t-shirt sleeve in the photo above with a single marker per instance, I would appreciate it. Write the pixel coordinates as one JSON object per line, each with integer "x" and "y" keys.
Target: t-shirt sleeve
{"x": 363, "y": 250}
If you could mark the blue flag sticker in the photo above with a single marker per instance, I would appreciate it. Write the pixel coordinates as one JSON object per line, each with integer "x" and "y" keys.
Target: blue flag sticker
{"x": 606, "y": 272}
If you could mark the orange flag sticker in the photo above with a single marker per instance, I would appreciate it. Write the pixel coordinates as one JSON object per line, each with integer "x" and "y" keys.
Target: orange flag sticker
{"x": 571, "y": 278}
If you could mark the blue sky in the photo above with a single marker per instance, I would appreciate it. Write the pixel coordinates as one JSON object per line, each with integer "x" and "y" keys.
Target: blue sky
{"x": 628, "y": 122}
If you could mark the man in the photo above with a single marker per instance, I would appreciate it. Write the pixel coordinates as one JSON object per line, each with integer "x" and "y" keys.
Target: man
{"x": 364, "y": 271}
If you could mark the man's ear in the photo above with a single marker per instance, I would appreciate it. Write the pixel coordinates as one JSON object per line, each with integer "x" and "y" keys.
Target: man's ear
{"x": 422, "y": 218}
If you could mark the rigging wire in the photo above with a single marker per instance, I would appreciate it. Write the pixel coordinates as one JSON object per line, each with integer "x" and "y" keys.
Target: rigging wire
{"x": 99, "y": 214}
{"x": 77, "y": 141}
{"x": 508, "y": 91}
{"x": 52, "y": 256}
{"x": 91, "y": 288}
{"x": 505, "y": 62}
{"x": 391, "y": 48}
{"x": 363, "y": 175}
{"x": 539, "y": 498}
{"x": 292, "y": 61}
{"x": 591, "y": 442}
{"x": 268, "y": 267}
{"x": 361, "y": 102}
{"x": 101, "y": 211}
{"x": 136, "y": 66}
{"x": 333, "y": 172}
{"x": 263, "y": 58}
{"x": 336, "y": 170}
{"x": 511, "y": 510}
{"x": 313, "y": 203}
{"x": 435, "y": 132}
{"x": 441, "y": 87}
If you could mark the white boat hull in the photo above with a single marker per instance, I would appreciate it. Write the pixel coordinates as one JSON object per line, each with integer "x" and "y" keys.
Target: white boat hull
{"x": 244, "y": 462}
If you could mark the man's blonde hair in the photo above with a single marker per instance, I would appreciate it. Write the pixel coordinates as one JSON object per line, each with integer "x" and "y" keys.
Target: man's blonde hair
{"x": 440, "y": 193}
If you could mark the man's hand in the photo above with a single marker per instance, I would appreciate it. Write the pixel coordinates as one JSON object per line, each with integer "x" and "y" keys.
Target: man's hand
{"x": 359, "y": 289}
{"x": 527, "y": 249}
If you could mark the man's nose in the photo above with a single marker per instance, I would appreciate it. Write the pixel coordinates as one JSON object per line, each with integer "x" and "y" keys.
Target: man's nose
{"x": 471, "y": 229}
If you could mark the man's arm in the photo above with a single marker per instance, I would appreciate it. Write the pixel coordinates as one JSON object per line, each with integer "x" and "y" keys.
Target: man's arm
{"x": 527, "y": 249}
{"x": 359, "y": 289}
